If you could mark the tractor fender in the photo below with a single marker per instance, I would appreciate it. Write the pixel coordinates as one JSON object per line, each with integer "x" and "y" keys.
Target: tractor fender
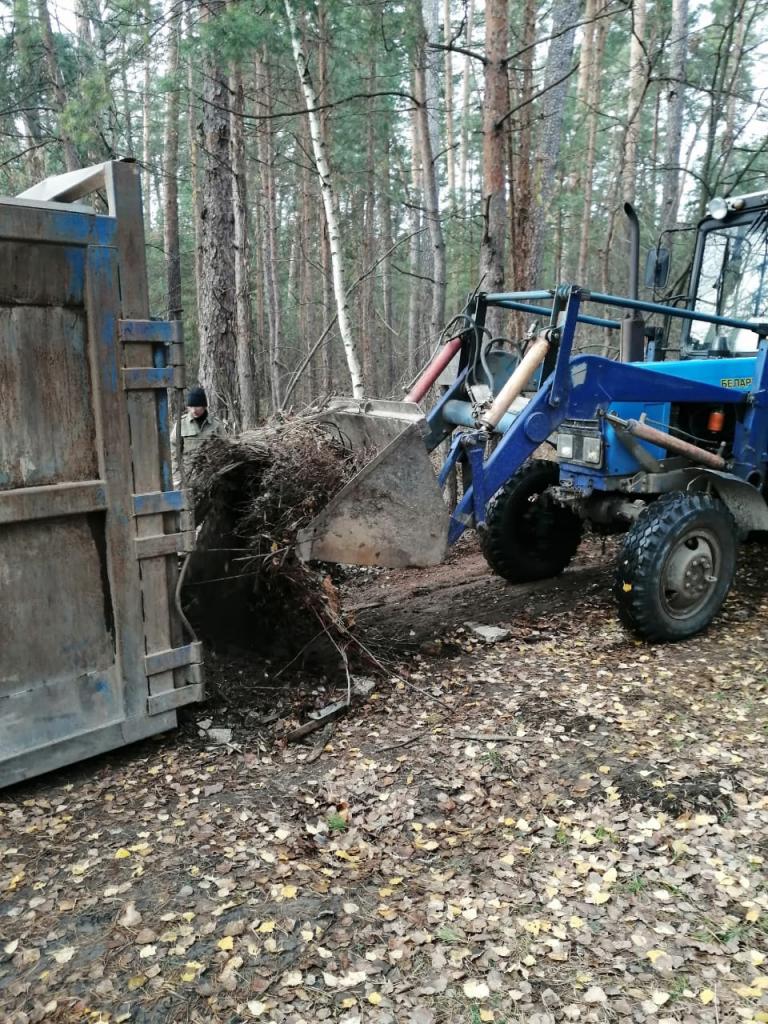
{"x": 746, "y": 504}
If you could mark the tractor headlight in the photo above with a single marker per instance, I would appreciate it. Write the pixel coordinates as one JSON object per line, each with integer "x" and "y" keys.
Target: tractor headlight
{"x": 565, "y": 446}
{"x": 717, "y": 208}
{"x": 592, "y": 451}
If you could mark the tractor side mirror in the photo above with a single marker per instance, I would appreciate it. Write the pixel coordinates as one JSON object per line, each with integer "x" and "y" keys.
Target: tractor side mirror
{"x": 657, "y": 268}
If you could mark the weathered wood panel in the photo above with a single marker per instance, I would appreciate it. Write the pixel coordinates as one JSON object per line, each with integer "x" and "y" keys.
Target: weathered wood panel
{"x": 47, "y": 431}
{"x": 56, "y": 619}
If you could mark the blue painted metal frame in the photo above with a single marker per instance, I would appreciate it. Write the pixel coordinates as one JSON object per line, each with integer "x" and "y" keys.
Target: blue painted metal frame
{"x": 585, "y": 387}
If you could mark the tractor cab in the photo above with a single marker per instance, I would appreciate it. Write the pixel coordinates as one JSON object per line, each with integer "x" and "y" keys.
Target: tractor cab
{"x": 729, "y": 277}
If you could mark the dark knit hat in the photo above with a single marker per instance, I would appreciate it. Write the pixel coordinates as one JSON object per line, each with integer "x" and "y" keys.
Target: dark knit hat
{"x": 196, "y": 397}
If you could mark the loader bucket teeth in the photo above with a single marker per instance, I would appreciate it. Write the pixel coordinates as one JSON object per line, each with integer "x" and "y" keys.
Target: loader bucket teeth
{"x": 391, "y": 514}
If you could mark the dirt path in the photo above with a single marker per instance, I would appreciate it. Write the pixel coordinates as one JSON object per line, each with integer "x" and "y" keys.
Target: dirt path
{"x": 566, "y": 825}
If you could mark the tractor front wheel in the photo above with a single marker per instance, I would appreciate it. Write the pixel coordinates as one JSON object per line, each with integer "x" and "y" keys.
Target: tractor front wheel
{"x": 676, "y": 566}
{"x": 528, "y": 536}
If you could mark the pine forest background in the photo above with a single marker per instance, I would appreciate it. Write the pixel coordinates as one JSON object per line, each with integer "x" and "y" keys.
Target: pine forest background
{"x": 325, "y": 182}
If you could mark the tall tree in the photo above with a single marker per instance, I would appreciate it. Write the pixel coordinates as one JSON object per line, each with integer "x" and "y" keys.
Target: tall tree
{"x": 672, "y": 172}
{"x": 216, "y": 288}
{"x": 171, "y": 239}
{"x": 330, "y": 206}
{"x": 495, "y": 102}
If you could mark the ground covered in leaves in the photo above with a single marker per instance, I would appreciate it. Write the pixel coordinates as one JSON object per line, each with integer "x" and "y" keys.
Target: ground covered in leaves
{"x": 565, "y": 825}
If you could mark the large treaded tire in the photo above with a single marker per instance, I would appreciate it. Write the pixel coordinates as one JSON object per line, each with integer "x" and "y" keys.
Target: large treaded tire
{"x": 528, "y": 536}
{"x": 651, "y": 591}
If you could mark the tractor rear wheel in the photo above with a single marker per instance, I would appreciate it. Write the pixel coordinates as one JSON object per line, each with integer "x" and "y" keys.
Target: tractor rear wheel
{"x": 528, "y": 536}
{"x": 676, "y": 566}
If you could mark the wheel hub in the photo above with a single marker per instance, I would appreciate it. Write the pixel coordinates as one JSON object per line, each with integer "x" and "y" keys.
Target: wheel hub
{"x": 690, "y": 573}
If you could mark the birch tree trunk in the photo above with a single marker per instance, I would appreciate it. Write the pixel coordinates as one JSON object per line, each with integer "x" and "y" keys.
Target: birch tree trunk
{"x": 495, "y": 101}
{"x": 249, "y": 396}
{"x": 323, "y": 47}
{"x": 218, "y": 321}
{"x": 330, "y": 206}
{"x": 170, "y": 177}
{"x": 637, "y": 84}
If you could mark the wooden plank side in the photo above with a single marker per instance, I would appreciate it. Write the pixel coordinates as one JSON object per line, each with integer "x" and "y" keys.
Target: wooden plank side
{"x": 151, "y": 469}
{"x": 47, "y": 431}
{"x": 57, "y": 500}
{"x": 192, "y": 654}
{"x": 115, "y": 460}
{"x": 41, "y": 275}
{"x": 154, "y": 332}
{"x": 47, "y": 759}
{"x": 160, "y": 501}
{"x": 62, "y": 225}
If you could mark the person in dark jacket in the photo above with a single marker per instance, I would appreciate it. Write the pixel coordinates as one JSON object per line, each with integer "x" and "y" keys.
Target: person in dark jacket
{"x": 196, "y": 426}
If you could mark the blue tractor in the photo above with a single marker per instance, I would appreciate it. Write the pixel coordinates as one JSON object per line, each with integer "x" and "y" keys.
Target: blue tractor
{"x": 667, "y": 445}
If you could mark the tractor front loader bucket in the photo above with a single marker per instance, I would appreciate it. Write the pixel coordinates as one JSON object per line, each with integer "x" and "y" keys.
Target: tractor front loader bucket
{"x": 392, "y": 513}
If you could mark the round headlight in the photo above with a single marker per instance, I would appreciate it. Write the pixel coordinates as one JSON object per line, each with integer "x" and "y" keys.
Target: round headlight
{"x": 717, "y": 207}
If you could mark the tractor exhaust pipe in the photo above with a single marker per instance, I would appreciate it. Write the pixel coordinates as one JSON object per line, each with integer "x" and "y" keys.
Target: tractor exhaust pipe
{"x": 634, "y": 250}
{"x": 633, "y": 325}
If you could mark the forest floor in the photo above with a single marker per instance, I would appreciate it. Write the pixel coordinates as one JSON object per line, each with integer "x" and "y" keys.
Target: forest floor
{"x": 563, "y": 825}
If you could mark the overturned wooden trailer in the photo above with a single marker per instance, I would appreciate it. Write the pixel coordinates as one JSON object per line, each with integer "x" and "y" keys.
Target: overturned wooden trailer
{"x": 93, "y": 652}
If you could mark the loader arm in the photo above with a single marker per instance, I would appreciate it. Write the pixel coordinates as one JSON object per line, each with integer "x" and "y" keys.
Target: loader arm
{"x": 582, "y": 387}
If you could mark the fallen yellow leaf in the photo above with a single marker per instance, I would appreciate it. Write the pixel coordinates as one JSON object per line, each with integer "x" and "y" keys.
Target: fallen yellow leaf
{"x": 706, "y": 996}
{"x": 374, "y": 998}
{"x": 122, "y": 853}
{"x": 288, "y": 892}
{"x": 226, "y": 943}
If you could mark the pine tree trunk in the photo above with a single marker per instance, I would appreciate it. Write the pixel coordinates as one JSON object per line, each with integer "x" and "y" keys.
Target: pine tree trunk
{"x": 330, "y": 205}
{"x": 388, "y": 334}
{"x": 218, "y": 321}
{"x": 594, "y": 61}
{"x": 495, "y": 101}
{"x": 368, "y": 331}
{"x": 269, "y": 235}
{"x": 170, "y": 177}
{"x": 194, "y": 161}
{"x": 71, "y": 157}
{"x": 249, "y": 395}
{"x": 29, "y": 87}
{"x": 416, "y": 293}
{"x": 521, "y": 157}
{"x": 450, "y": 152}
{"x": 146, "y": 136}
{"x": 559, "y": 57}
{"x": 465, "y": 108}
